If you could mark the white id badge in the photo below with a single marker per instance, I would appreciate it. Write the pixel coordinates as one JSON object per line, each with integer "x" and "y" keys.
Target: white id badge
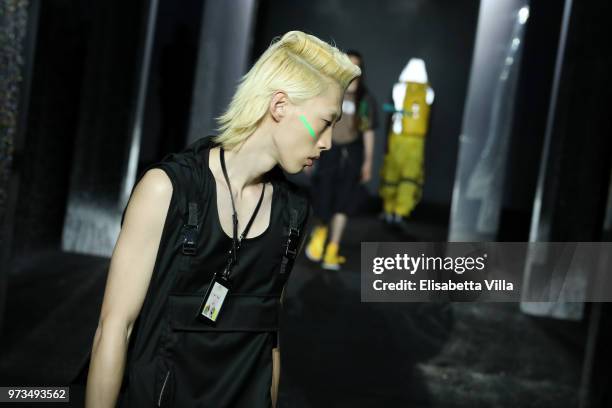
{"x": 214, "y": 298}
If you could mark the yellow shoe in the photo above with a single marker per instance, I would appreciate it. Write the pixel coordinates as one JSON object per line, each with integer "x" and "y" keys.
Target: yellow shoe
{"x": 314, "y": 250}
{"x": 332, "y": 260}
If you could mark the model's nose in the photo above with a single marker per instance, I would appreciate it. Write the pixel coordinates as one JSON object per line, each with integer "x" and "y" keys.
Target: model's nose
{"x": 325, "y": 141}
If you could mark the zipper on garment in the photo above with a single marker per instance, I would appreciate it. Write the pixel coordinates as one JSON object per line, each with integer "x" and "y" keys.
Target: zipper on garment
{"x": 161, "y": 393}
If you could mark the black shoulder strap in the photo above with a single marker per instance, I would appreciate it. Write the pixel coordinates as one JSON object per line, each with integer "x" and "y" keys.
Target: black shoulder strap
{"x": 296, "y": 216}
{"x": 195, "y": 189}
{"x": 190, "y": 230}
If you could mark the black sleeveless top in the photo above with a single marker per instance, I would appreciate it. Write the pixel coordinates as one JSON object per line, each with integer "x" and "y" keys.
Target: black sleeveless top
{"x": 176, "y": 360}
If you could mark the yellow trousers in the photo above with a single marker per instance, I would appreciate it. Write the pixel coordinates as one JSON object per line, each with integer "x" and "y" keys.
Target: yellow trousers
{"x": 402, "y": 174}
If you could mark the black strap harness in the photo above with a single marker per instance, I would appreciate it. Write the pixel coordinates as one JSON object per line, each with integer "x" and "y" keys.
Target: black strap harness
{"x": 295, "y": 212}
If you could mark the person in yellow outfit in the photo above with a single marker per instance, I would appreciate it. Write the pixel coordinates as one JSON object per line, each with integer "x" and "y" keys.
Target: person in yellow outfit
{"x": 402, "y": 173}
{"x": 335, "y": 180}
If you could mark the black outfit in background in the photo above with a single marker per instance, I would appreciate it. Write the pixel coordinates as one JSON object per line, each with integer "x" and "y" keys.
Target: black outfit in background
{"x": 335, "y": 180}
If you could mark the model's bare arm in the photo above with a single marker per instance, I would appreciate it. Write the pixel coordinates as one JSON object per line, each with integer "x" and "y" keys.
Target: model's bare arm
{"x": 275, "y": 375}
{"x": 366, "y": 168}
{"x": 368, "y": 145}
{"x": 128, "y": 279}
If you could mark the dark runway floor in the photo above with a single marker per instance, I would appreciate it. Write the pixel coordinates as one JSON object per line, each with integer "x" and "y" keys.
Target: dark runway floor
{"x": 336, "y": 350}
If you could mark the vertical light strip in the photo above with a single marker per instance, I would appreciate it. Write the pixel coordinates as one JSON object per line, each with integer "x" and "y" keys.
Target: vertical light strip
{"x": 141, "y": 94}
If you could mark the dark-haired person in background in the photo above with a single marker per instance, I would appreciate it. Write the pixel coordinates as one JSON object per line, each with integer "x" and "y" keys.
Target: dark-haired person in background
{"x": 335, "y": 180}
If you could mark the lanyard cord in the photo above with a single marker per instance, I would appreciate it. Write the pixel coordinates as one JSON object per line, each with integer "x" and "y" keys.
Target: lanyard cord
{"x": 235, "y": 242}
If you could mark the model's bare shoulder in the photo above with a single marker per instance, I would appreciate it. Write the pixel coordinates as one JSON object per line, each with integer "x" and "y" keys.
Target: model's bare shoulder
{"x": 136, "y": 249}
{"x": 156, "y": 182}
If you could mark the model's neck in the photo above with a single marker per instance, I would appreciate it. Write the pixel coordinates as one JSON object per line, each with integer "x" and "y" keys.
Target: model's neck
{"x": 248, "y": 162}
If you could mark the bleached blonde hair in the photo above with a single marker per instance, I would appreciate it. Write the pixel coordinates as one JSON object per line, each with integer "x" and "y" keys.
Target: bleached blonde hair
{"x": 300, "y": 64}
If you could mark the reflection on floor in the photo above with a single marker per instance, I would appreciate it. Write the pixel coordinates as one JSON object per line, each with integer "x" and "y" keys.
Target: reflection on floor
{"x": 340, "y": 352}
{"x": 53, "y": 302}
{"x": 336, "y": 350}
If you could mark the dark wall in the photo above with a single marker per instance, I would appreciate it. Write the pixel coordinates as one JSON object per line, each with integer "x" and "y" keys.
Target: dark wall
{"x": 82, "y": 78}
{"x": 58, "y": 69}
{"x": 531, "y": 105}
{"x": 532, "y": 102}
{"x": 388, "y": 33}
{"x": 171, "y": 76}
{"x": 581, "y": 154}
{"x": 575, "y": 187}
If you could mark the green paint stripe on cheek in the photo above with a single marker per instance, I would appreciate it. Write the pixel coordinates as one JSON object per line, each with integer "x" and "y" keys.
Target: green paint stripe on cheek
{"x": 307, "y": 125}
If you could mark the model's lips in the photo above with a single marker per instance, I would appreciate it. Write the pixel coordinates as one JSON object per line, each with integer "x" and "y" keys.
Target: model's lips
{"x": 310, "y": 160}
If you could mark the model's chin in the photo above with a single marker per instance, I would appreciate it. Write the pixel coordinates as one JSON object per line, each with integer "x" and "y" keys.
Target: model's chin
{"x": 292, "y": 169}
{"x": 295, "y": 170}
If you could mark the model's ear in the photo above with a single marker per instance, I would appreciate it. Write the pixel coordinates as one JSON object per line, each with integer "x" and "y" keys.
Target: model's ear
{"x": 279, "y": 105}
